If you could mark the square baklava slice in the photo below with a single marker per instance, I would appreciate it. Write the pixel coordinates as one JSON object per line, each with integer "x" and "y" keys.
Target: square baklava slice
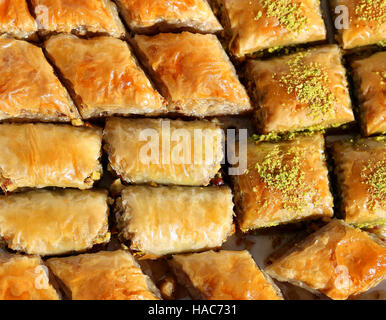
{"x": 338, "y": 260}
{"x": 359, "y": 22}
{"x": 165, "y": 220}
{"x": 194, "y": 74}
{"x": 224, "y": 275}
{"x": 82, "y": 17}
{"x": 164, "y": 151}
{"x": 47, "y": 222}
{"x": 360, "y": 167}
{"x": 16, "y": 20}
{"x": 151, "y": 16}
{"x": 305, "y": 90}
{"x": 104, "y": 76}
{"x": 49, "y": 155}
{"x": 29, "y": 88}
{"x": 106, "y": 275}
{"x": 268, "y": 24}
{"x": 284, "y": 182}
{"x": 24, "y": 278}
{"x": 370, "y": 79}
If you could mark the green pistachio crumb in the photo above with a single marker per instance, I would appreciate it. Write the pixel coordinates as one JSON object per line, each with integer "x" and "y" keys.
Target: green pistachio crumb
{"x": 288, "y": 13}
{"x": 308, "y": 81}
{"x": 383, "y": 76}
{"x": 371, "y": 11}
{"x": 281, "y": 171}
{"x": 374, "y": 176}
{"x": 258, "y": 15}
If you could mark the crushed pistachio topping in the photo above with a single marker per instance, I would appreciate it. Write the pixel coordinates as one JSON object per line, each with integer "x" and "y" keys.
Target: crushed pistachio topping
{"x": 371, "y": 11}
{"x": 308, "y": 81}
{"x": 281, "y": 171}
{"x": 288, "y": 13}
{"x": 374, "y": 176}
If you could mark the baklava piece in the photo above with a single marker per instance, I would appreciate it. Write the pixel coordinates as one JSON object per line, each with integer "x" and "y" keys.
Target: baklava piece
{"x": 370, "y": 78}
{"x": 165, "y": 220}
{"x": 16, "y": 20}
{"x": 268, "y": 24}
{"x": 104, "y": 76}
{"x": 164, "y": 151}
{"x": 360, "y": 167}
{"x": 106, "y": 275}
{"x": 29, "y": 88}
{"x": 151, "y": 16}
{"x": 49, "y": 155}
{"x": 305, "y": 90}
{"x": 81, "y": 17}
{"x": 194, "y": 74}
{"x": 338, "y": 260}
{"x": 224, "y": 275}
{"x": 54, "y": 222}
{"x": 360, "y": 22}
{"x": 24, "y": 278}
{"x": 284, "y": 182}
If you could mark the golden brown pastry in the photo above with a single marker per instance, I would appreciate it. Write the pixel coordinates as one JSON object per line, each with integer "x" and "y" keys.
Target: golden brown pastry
{"x": 148, "y": 16}
{"x": 16, "y": 20}
{"x": 81, "y": 17}
{"x": 148, "y": 150}
{"x": 165, "y": 220}
{"x": 337, "y": 260}
{"x": 370, "y": 77}
{"x": 29, "y": 87}
{"x": 263, "y": 24}
{"x": 304, "y": 90}
{"x": 104, "y": 75}
{"x": 360, "y": 167}
{"x": 366, "y": 22}
{"x": 54, "y": 222}
{"x": 284, "y": 182}
{"x": 43, "y": 155}
{"x": 224, "y": 275}
{"x": 194, "y": 74}
{"x": 24, "y": 278}
{"x": 106, "y": 275}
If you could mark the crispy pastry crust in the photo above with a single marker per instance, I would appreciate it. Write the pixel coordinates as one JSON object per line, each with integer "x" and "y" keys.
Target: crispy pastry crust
{"x": 151, "y": 16}
{"x": 106, "y": 275}
{"x": 104, "y": 75}
{"x": 224, "y": 275}
{"x": 54, "y": 222}
{"x": 251, "y": 29}
{"x": 125, "y": 143}
{"x": 29, "y": 87}
{"x": 81, "y": 17}
{"x": 361, "y": 30}
{"x": 16, "y": 20}
{"x": 260, "y": 204}
{"x": 42, "y": 155}
{"x": 370, "y": 79}
{"x": 338, "y": 260}
{"x": 282, "y": 109}
{"x": 166, "y": 220}
{"x": 194, "y": 74}
{"x": 24, "y": 278}
{"x": 351, "y": 158}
